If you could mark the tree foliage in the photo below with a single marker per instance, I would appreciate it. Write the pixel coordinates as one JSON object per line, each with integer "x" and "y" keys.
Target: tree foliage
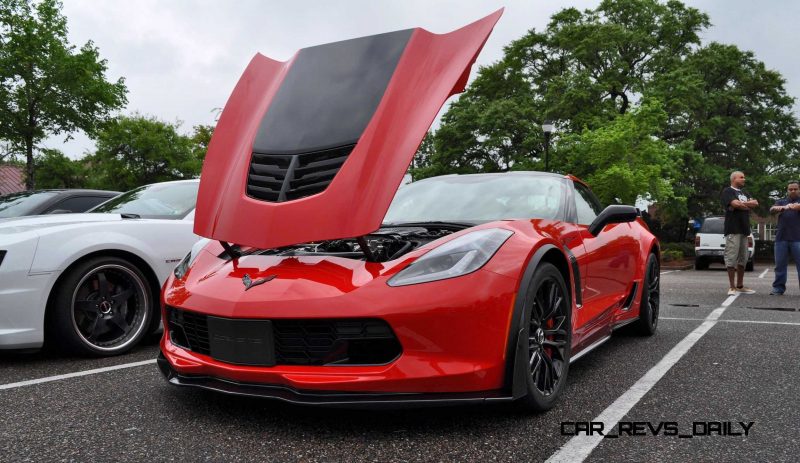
{"x": 642, "y": 109}
{"x": 625, "y": 157}
{"x": 47, "y": 86}
{"x": 200, "y": 138}
{"x": 737, "y": 116}
{"x": 55, "y": 170}
{"x": 137, "y": 150}
{"x": 492, "y": 127}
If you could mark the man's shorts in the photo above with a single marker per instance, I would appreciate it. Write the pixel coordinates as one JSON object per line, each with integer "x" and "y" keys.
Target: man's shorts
{"x": 735, "y": 250}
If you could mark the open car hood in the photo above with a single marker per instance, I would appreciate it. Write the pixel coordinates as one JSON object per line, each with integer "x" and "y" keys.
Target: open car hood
{"x": 315, "y": 148}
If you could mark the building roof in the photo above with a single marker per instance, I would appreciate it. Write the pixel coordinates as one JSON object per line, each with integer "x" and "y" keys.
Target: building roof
{"x": 12, "y": 179}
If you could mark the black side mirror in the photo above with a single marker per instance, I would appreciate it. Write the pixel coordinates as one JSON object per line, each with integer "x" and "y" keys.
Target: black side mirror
{"x": 613, "y": 214}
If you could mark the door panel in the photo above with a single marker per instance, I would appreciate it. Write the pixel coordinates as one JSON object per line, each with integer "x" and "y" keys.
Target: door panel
{"x": 607, "y": 265}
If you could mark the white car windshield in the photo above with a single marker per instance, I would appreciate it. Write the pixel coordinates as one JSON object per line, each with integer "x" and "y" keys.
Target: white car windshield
{"x": 158, "y": 201}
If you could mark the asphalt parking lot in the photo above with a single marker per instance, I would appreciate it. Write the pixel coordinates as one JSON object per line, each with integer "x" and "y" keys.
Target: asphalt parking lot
{"x": 714, "y": 359}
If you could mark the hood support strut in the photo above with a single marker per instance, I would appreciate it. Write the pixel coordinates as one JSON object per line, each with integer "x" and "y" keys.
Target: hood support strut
{"x": 232, "y": 253}
{"x": 362, "y": 242}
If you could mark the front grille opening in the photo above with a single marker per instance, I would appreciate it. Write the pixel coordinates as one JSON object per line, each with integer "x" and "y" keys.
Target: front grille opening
{"x": 281, "y": 177}
{"x": 301, "y": 341}
{"x": 334, "y": 342}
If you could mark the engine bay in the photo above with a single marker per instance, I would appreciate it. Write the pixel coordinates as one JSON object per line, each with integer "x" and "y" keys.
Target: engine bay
{"x": 385, "y": 244}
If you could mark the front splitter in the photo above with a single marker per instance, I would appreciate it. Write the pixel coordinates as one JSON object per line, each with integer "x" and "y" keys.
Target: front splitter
{"x": 328, "y": 398}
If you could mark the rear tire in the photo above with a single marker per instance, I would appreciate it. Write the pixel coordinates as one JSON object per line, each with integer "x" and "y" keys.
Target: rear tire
{"x": 700, "y": 264}
{"x": 102, "y": 307}
{"x": 548, "y": 328}
{"x": 648, "y": 305}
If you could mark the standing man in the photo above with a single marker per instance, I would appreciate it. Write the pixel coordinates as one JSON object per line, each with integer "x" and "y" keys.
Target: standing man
{"x": 737, "y": 204}
{"x": 787, "y": 240}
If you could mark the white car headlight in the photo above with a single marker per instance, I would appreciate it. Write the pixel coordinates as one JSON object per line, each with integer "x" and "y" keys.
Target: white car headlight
{"x": 455, "y": 258}
{"x": 183, "y": 266}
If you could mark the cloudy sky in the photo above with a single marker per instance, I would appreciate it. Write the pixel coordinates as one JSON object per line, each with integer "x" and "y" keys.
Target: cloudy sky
{"x": 181, "y": 58}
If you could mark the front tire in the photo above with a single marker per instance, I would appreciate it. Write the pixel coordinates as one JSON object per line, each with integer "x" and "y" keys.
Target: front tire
{"x": 651, "y": 296}
{"x": 103, "y": 307}
{"x": 548, "y": 328}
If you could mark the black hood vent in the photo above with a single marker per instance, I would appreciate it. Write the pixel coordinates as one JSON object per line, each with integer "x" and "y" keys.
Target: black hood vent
{"x": 285, "y": 177}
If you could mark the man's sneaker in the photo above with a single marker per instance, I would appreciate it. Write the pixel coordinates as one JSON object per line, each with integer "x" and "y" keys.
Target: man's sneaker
{"x": 745, "y": 290}
{"x": 732, "y": 292}
{"x": 775, "y": 293}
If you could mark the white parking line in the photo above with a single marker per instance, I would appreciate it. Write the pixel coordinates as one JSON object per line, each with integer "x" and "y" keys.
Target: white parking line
{"x": 579, "y": 447}
{"x": 764, "y": 322}
{"x": 669, "y": 271}
{"x": 48, "y": 379}
{"x": 764, "y": 273}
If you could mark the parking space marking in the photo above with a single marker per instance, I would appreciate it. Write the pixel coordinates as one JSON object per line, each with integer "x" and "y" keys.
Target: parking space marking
{"x": 763, "y": 322}
{"x": 669, "y": 271}
{"x": 764, "y": 273}
{"x": 77, "y": 374}
{"x": 579, "y": 447}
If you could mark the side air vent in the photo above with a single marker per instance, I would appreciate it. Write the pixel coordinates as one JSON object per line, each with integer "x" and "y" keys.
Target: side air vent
{"x": 285, "y": 177}
{"x": 188, "y": 330}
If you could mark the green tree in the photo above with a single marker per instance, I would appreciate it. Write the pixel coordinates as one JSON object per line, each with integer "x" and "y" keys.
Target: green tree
{"x": 137, "y": 150}
{"x": 582, "y": 71}
{"x": 589, "y": 70}
{"x": 625, "y": 158}
{"x": 736, "y": 114}
{"x": 200, "y": 138}
{"x": 491, "y": 127}
{"x": 587, "y": 67}
{"x": 47, "y": 86}
{"x": 55, "y": 170}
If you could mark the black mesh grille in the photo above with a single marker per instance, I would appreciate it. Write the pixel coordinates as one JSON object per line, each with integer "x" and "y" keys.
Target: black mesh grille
{"x": 189, "y": 330}
{"x": 324, "y": 342}
{"x": 283, "y": 177}
{"x": 303, "y": 342}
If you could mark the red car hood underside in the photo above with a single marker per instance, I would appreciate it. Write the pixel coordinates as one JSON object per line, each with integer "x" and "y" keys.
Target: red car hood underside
{"x": 261, "y": 122}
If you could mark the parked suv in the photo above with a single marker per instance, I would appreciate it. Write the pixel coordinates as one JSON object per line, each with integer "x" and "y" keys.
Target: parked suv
{"x": 709, "y": 244}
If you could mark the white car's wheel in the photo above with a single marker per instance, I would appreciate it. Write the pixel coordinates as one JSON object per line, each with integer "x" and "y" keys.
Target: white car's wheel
{"x": 102, "y": 307}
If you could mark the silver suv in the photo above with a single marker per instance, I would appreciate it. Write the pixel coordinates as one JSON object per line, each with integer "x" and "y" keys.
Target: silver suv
{"x": 709, "y": 244}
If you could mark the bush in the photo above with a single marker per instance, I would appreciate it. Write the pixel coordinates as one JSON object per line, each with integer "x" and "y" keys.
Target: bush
{"x": 671, "y": 255}
{"x": 685, "y": 249}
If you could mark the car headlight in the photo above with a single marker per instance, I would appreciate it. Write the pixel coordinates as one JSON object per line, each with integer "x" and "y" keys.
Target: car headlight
{"x": 183, "y": 266}
{"x": 455, "y": 258}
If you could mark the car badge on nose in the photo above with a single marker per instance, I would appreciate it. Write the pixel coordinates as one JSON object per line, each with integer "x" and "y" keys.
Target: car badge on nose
{"x": 249, "y": 282}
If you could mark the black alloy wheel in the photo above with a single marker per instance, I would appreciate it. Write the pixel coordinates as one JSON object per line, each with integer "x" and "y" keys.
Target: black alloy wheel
{"x": 651, "y": 297}
{"x": 103, "y": 308}
{"x": 549, "y": 332}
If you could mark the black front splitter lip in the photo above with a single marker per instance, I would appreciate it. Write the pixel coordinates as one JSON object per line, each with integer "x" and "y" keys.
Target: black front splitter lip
{"x": 370, "y": 400}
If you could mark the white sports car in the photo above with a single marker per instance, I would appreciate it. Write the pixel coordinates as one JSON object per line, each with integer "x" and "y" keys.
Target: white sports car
{"x": 89, "y": 283}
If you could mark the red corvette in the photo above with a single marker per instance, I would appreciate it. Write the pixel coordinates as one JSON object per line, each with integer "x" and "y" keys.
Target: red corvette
{"x": 322, "y": 283}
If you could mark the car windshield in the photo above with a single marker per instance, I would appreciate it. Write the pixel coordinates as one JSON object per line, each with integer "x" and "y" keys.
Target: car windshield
{"x": 479, "y": 198}
{"x": 713, "y": 226}
{"x": 158, "y": 201}
{"x": 19, "y": 204}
